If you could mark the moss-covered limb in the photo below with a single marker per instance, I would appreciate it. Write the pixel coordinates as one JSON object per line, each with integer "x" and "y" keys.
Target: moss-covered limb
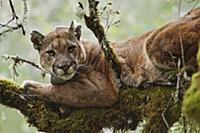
{"x": 191, "y": 102}
{"x": 133, "y": 106}
{"x": 93, "y": 23}
{"x": 154, "y": 110}
{"x": 11, "y": 95}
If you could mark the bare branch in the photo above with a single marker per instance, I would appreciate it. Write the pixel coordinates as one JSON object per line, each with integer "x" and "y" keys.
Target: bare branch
{"x": 14, "y": 15}
{"x": 164, "y": 111}
{"x": 18, "y": 60}
{"x": 109, "y": 15}
{"x": 25, "y": 11}
{"x": 7, "y": 27}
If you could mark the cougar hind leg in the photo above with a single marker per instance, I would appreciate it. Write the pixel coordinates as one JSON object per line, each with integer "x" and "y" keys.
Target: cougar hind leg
{"x": 168, "y": 45}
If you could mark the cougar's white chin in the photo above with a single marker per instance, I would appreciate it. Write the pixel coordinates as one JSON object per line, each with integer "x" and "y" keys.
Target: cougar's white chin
{"x": 66, "y": 76}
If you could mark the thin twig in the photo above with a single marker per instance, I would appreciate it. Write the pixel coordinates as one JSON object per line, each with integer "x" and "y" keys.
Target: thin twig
{"x": 164, "y": 111}
{"x": 178, "y": 82}
{"x": 19, "y": 60}
{"x": 182, "y": 52}
{"x": 110, "y": 18}
{"x": 25, "y": 11}
{"x": 14, "y": 18}
{"x": 185, "y": 74}
{"x": 158, "y": 83}
{"x": 14, "y": 15}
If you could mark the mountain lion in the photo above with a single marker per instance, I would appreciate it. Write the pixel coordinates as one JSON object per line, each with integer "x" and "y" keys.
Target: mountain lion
{"x": 83, "y": 78}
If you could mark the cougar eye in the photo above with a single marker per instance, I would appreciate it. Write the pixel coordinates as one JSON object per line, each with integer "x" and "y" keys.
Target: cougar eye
{"x": 71, "y": 48}
{"x": 51, "y": 52}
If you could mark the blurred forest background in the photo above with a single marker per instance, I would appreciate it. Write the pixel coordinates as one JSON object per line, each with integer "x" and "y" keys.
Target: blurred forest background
{"x": 136, "y": 17}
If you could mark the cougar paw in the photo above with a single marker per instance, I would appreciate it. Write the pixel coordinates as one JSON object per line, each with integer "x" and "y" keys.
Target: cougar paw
{"x": 29, "y": 87}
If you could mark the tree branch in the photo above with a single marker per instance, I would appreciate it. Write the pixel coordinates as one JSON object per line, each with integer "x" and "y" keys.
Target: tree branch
{"x": 19, "y": 60}
{"x": 124, "y": 115}
{"x": 93, "y": 23}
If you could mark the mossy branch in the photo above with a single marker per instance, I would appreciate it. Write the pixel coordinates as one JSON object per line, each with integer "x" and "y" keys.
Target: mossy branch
{"x": 92, "y": 21}
{"x": 191, "y": 106}
{"x": 133, "y": 106}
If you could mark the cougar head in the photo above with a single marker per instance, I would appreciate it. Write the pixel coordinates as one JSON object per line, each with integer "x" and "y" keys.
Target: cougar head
{"x": 61, "y": 51}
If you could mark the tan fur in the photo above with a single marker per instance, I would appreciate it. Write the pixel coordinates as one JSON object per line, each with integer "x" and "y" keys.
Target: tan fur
{"x": 91, "y": 82}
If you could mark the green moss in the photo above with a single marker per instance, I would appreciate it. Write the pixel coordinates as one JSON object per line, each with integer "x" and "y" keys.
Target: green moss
{"x": 132, "y": 107}
{"x": 11, "y": 93}
{"x": 6, "y": 83}
{"x": 191, "y": 102}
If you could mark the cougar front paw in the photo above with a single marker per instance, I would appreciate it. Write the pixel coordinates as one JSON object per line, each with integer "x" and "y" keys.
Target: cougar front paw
{"x": 29, "y": 87}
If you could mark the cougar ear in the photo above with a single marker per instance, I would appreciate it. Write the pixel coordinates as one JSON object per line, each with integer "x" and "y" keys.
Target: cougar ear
{"x": 71, "y": 28}
{"x": 78, "y": 32}
{"x": 37, "y": 39}
{"x": 75, "y": 30}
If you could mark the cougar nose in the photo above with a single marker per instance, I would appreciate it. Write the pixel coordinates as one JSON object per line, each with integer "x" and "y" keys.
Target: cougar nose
{"x": 64, "y": 66}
